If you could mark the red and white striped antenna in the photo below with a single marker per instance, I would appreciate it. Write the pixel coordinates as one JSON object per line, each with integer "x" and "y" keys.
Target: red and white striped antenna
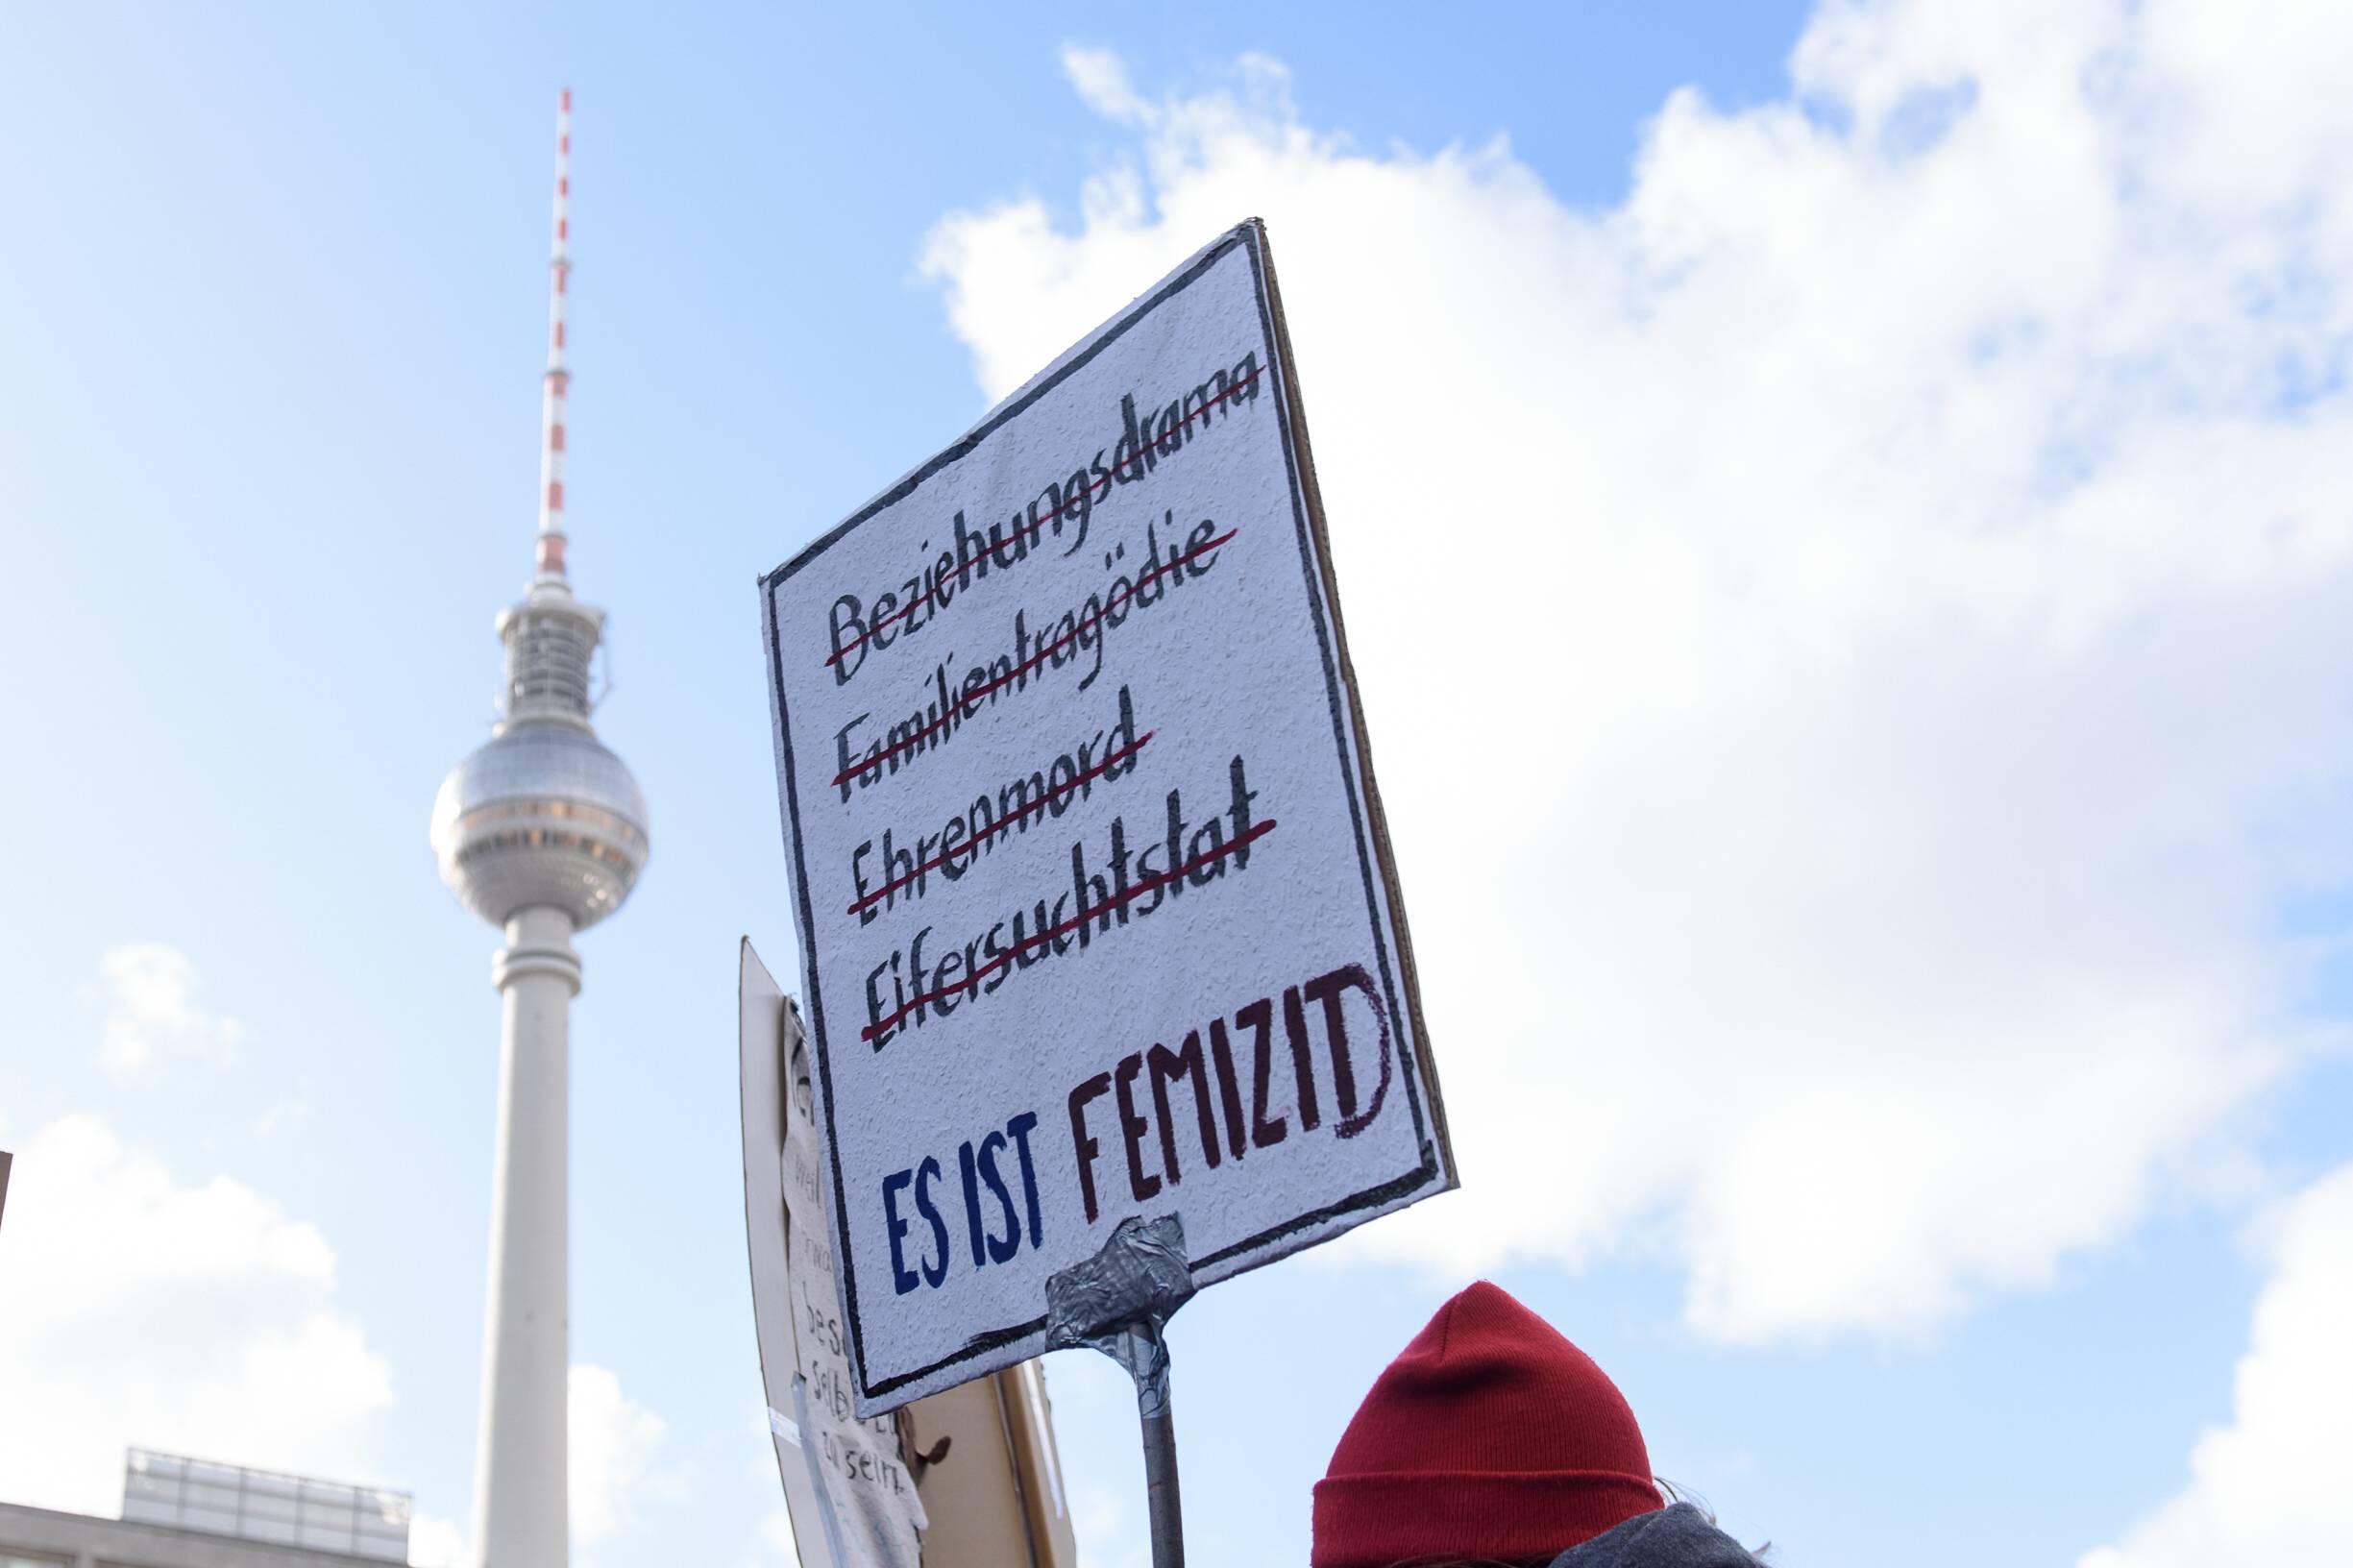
{"x": 550, "y": 559}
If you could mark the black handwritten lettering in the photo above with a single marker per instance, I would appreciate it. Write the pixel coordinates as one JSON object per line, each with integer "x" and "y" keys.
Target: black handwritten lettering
{"x": 1132, "y": 1127}
{"x": 1229, "y": 1086}
{"x": 1078, "y": 634}
{"x": 1265, "y": 1131}
{"x": 1252, "y": 1028}
{"x": 1059, "y": 507}
{"x": 1182, "y": 1066}
{"x": 1303, "y": 1066}
{"x": 1103, "y": 894}
{"x": 1082, "y": 1142}
{"x": 1330, "y": 990}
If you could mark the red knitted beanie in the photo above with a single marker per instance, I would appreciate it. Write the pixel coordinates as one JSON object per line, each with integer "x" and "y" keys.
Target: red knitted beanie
{"x": 1491, "y": 1438}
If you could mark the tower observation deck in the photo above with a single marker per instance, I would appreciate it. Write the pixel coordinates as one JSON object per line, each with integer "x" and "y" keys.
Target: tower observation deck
{"x": 541, "y": 832}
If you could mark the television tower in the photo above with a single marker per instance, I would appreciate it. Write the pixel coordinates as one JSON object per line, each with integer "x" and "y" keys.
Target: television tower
{"x": 541, "y": 832}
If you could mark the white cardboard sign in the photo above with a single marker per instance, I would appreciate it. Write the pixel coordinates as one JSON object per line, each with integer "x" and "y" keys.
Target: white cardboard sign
{"x": 848, "y": 1494}
{"x": 1095, "y": 908}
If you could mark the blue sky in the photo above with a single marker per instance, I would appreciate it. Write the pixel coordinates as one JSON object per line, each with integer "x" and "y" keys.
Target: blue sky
{"x": 1949, "y": 749}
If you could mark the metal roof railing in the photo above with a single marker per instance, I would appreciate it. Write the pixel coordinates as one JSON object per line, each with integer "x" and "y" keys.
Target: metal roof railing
{"x": 264, "y": 1506}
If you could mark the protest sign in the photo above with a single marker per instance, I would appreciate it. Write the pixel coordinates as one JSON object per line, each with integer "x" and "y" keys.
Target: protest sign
{"x": 1096, "y": 913}
{"x": 985, "y": 1471}
{"x": 994, "y": 1493}
{"x": 847, "y": 1489}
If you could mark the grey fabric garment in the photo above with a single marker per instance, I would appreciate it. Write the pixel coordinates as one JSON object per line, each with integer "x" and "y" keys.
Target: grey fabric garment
{"x": 1678, "y": 1537}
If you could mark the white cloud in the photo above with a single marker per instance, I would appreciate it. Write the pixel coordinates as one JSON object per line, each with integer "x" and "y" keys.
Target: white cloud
{"x": 1102, "y": 83}
{"x": 2269, "y": 1487}
{"x": 615, "y": 1450}
{"x": 287, "y": 1114}
{"x": 139, "y": 1310}
{"x": 152, "y": 989}
{"x": 1853, "y": 635}
{"x": 435, "y": 1542}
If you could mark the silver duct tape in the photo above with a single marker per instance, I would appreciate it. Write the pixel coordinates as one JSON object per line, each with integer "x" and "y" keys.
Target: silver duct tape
{"x": 1119, "y": 1299}
{"x": 1140, "y": 1274}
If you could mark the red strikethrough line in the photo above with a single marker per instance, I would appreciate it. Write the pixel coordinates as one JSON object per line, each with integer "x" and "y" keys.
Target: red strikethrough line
{"x": 1002, "y": 823}
{"x": 964, "y": 700}
{"x": 1037, "y": 524}
{"x": 1258, "y": 830}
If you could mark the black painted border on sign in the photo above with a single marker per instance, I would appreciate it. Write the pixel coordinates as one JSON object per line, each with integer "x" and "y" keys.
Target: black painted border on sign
{"x": 1375, "y": 862}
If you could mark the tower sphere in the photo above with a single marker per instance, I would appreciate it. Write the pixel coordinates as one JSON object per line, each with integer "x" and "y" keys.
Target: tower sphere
{"x": 543, "y": 814}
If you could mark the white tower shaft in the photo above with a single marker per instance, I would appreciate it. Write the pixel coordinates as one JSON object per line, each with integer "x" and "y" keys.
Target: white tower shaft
{"x": 519, "y": 1483}
{"x": 542, "y": 832}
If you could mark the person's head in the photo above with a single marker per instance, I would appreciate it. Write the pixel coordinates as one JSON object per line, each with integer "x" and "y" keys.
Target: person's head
{"x": 1490, "y": 1439}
